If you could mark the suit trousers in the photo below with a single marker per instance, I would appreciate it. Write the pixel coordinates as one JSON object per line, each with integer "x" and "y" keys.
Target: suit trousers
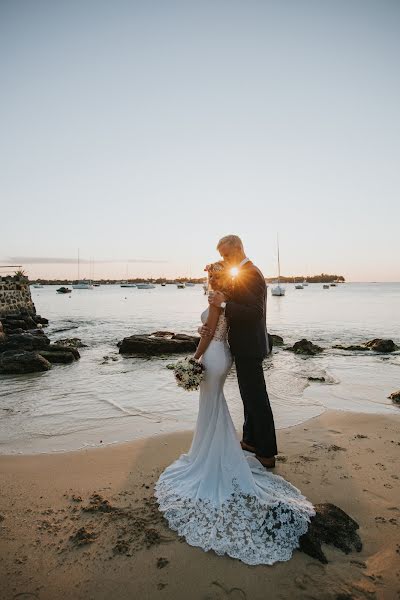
{"x": 259, "y": 427}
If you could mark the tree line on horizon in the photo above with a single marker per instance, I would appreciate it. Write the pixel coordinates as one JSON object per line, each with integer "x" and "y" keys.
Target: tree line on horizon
{"x": 322, "y": 278}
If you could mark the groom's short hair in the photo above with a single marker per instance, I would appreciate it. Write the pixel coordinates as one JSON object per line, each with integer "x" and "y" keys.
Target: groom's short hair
{"x": 232, "y": 240}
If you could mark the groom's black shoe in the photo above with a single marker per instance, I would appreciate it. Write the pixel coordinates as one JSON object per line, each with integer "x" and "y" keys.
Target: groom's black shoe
{"x": 247, "y": 447}
{"x": 269, "y": 463}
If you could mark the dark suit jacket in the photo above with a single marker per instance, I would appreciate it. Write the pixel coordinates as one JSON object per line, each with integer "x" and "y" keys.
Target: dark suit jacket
{"x": 246, "y": 314}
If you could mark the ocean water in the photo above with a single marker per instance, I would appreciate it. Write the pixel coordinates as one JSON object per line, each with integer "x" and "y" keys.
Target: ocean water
{"x": 99, "y": 400}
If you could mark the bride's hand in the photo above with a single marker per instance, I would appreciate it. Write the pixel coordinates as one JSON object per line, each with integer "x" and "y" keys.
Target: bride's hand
{"x": 216, "y": 298}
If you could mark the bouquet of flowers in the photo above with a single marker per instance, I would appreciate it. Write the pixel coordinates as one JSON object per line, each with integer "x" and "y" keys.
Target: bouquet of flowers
{"x": 189, "y": 373}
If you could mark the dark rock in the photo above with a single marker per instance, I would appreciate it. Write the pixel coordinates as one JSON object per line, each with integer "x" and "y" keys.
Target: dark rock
{"x": 71, "y": 343}
{"x": 41, "y": 320}
{"x": 12, "y": 324}
{"x": 379, "y": 345}
{"x": 153, "y": 346}
{"x": 312, "y": 378}
{"x": 277, "y": 340}
{"x": 331, "y": 525}
{"x": 13, "y": 331}
{"x": 352, "y": 347}
{"x": 395, "y": 397}
{"x": 30, "y": 323}
{"x": 18, "y": 362}
{"x": 168, "y": 334}
{"x": 57, "y": 348}
{"x": 305, "y": 347}
{"x": 25, "y": 341}
{"x": 57, "y": 356}
{"x": 175, "y": 336}
{"x": 184, "y": 337}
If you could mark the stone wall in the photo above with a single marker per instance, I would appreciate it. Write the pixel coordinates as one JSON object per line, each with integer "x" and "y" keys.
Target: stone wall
{"x": 15, "y": 295}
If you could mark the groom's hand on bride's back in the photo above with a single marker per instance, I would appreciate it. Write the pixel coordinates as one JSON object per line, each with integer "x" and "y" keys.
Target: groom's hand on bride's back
{"x": 204, "y": 331}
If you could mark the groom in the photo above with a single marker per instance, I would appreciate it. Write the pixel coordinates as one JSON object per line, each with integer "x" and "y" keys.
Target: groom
{"x": 245, "y": 311}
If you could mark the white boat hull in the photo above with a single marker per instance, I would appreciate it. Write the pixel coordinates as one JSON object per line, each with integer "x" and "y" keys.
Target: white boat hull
{"x": 278, "y": 291}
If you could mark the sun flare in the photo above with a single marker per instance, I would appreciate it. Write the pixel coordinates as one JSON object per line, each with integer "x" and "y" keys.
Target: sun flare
{"x": 234, "y": 271}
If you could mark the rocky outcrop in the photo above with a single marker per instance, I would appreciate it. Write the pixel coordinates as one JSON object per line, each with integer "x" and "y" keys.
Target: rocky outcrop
{"x": 395, "y": 397}
{"x": 28, "y": 341}
{"x": 166, "y": 334}
{"x": 352, "y": 348}
{"x": 55, "y": 353}
{"x": 71, "y": 343}
{"x": 273, "y": 339}
{"x": 151, "y": 345}
{"x": 331, "y": 525}
{"x": 305, "y": 347}
{"x": 277, "y": 340}
{"x": 377, "y": 345}
{"x": 24, "y": 349}
{"x": 19, "y": 362}
{"x": 22, "y": 321}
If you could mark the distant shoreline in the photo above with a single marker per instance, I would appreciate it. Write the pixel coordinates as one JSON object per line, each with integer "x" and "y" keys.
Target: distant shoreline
{"x": 322, "y": 278}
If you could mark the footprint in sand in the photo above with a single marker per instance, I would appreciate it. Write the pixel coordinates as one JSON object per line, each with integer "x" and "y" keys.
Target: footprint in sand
{"x": 234, "y": 593}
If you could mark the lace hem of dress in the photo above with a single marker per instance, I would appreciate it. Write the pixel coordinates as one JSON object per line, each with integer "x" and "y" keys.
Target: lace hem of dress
{"x": 243, "y": 526}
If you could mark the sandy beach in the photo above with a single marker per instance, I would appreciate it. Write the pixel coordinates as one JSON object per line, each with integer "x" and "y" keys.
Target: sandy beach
{"x": 85, "y": 524}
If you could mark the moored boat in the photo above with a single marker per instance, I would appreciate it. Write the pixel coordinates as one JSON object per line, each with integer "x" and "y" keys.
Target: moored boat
{"x": 145, "y": 286}
{"x": 278, "y": 290}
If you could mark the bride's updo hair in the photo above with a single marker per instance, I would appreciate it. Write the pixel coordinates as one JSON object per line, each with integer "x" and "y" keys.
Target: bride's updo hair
{"x": 218, "y": 277}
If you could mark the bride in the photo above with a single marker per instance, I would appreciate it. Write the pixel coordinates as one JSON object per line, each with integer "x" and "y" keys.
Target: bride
{"x": 218, "y": 496}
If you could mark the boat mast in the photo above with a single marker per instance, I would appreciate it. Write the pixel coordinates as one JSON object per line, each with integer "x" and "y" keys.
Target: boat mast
{"x": 78, "y": 266}
{"x": 279, "y": 264}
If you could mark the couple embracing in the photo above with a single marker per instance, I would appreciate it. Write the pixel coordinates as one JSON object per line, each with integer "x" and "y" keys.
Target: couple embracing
{"x": 221, "y": 494}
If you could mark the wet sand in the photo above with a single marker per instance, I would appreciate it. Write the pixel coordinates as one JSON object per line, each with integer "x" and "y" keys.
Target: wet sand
{"x": 85, "y": 525}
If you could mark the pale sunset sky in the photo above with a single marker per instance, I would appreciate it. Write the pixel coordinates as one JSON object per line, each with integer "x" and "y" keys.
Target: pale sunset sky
{"x": 142, "y": 132}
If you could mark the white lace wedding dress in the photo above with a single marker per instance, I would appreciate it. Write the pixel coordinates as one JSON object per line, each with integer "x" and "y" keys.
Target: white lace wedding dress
{"x": 220, "y": 497}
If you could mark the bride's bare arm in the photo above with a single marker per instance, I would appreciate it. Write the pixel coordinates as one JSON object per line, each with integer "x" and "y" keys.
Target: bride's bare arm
{"x": 213, "y": 316}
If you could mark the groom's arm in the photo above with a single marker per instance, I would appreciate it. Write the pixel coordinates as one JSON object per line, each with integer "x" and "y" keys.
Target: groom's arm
{"x": 252, "y": 306}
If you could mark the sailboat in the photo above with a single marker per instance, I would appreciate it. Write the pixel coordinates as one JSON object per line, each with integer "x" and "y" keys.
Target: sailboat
{"x": 82, "y": 284}
{"x": 127, "y": 284}
{"x": 278, "y": 290}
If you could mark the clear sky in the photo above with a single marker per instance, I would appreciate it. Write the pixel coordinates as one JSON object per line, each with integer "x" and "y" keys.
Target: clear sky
{"x": 142, "y": 132}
